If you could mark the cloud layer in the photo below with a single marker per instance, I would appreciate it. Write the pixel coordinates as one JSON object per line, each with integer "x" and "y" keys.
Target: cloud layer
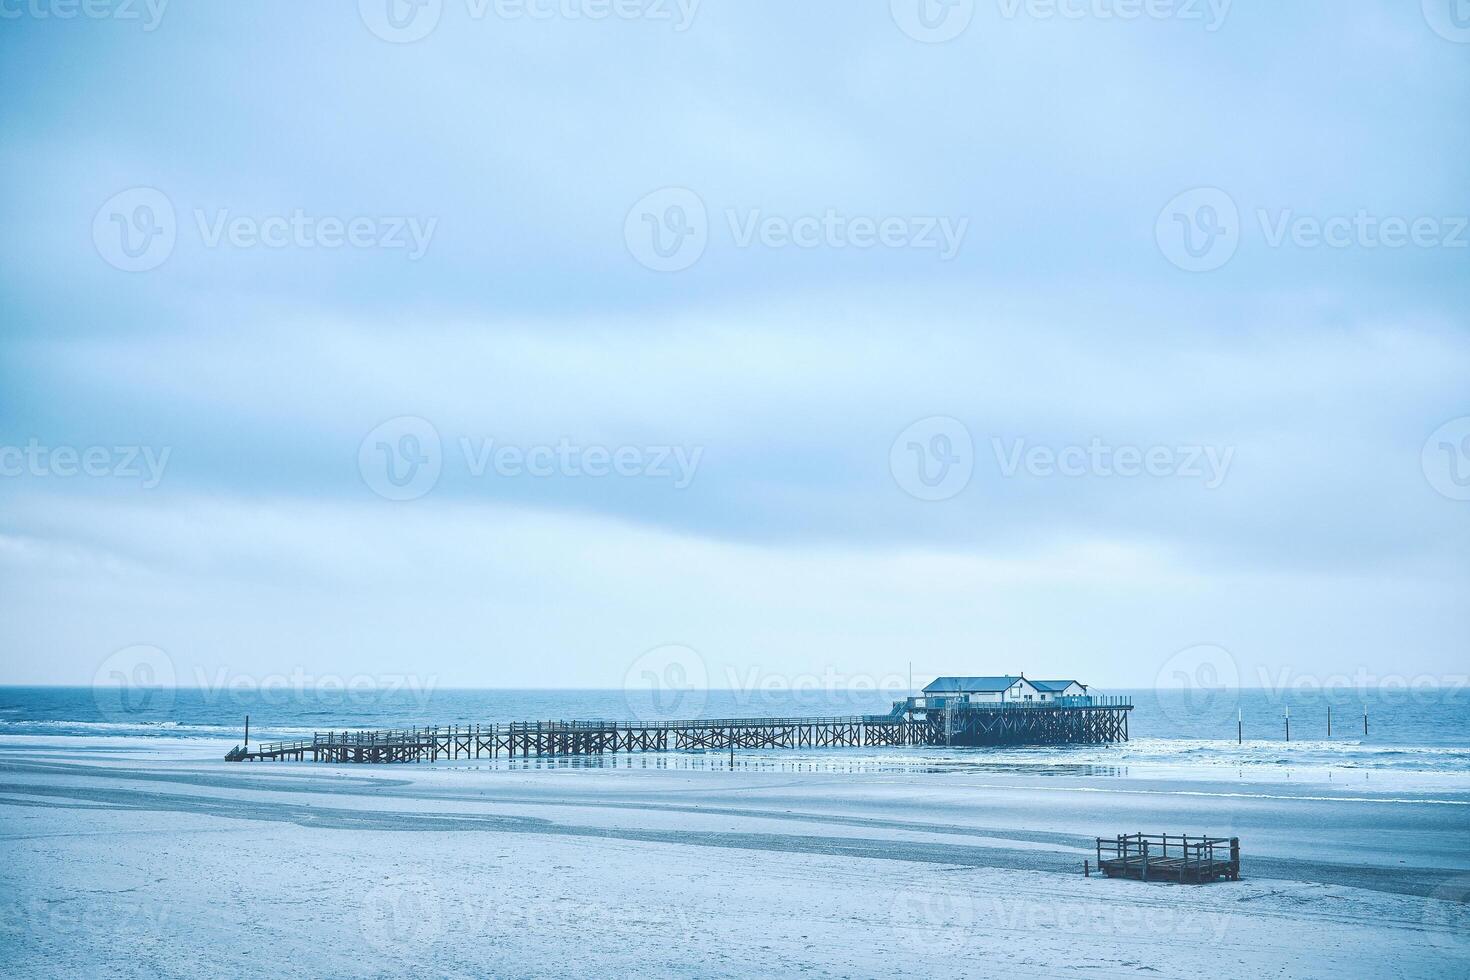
{"x": 1285, "y": 505}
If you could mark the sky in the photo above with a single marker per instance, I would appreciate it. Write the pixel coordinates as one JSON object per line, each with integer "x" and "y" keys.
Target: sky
{"x": 535, "y": 343}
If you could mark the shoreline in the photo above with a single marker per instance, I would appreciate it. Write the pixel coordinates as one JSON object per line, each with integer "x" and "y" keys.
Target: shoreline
{"x": 1386, "y": 773}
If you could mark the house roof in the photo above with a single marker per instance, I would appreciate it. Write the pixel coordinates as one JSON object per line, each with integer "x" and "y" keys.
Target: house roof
{"x": 957, "y": 685}
{"x": 1052, "y": 687}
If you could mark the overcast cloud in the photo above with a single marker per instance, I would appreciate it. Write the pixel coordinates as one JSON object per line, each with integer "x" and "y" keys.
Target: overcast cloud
{"x": 774, "y": 330}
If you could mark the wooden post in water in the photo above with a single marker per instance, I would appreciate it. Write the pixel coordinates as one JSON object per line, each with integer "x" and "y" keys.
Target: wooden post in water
{"x": 247, "y": 731}
{"x": 1365, "y": 719}
{"x": 1239, "y": 727}
{"x": 1288, "y": 723}
{"x": 1329, "y": 721}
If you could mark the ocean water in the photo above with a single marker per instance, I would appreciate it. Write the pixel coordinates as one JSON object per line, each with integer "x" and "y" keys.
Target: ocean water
{"x": 1421, "y": 733}
{"x": 1411, "y": 730}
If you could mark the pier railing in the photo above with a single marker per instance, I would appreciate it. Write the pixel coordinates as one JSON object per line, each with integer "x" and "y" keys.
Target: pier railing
{"x": 385, "y": 736}
{"x": 410, "y": 735}
{"x": 1098, "y": 720}
{"x": 958, "y": 703}
{"x": 723, "y": 722}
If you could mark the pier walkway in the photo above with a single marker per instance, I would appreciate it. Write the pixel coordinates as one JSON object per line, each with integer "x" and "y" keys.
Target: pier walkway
{"x": 910, "y": 723}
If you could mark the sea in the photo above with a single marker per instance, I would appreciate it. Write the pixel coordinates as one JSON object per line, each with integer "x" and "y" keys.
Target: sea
{"x": 1410, "y": 738}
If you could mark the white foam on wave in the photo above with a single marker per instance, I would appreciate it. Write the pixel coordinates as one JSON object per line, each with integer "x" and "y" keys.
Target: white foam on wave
{"x": 1244, "y": 796}
{"x": 141, "y": 729}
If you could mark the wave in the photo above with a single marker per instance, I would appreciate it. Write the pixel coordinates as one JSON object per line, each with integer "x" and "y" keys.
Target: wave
{"x": 177, "y": 729}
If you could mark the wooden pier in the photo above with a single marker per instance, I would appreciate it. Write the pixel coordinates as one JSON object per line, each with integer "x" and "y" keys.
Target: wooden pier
{"x": 907, "y": 724}
{"x": 1147, "y": 857}
{"x": 1065, "y": 721}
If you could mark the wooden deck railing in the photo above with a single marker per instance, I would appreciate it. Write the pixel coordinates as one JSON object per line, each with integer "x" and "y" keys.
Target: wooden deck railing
{"x": 956, "y": 702}
{"x": 1146, "y": 856}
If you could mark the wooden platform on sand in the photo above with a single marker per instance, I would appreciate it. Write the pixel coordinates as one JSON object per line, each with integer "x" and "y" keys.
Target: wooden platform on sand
{"x": 1166, "y": 857}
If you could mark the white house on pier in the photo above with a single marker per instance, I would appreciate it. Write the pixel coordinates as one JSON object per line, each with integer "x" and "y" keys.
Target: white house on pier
{"x": 943, "y": 691}
{"x": 1048, "y": 690}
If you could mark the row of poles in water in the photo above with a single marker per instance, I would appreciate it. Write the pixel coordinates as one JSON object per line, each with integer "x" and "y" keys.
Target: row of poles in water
{"x": 1240, "y": 723}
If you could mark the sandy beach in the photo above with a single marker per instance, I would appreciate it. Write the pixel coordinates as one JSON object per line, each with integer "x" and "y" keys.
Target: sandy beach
{"x": 163, "y": 860}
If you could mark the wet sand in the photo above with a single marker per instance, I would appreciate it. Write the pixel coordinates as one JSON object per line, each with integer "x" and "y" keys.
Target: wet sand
{"x": 168, "y": 861}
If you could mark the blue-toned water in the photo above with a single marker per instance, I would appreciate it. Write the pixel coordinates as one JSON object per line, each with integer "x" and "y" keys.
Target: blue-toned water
{"x": 1409, "y": 731}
